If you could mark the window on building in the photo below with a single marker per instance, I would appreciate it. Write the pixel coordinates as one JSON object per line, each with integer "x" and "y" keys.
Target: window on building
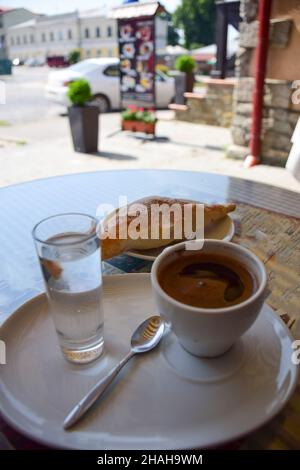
{"x": 18, "y": 39}
{"x": 25, "y": 39}
{"x": 43, "y": 37}
{"x": 98, "y": 33}
{"x": 88, "y": 53}
{"x": 69, "y": 34}
{"x": 86, "y": 33}
{"x": 109, "y": 31}
{"x": 51, "y": 36}
{"x": 112, "y": 71}
{"x": 12, "y": 41}
{"x": 31, "y": 38}
{"x": 60, "y": 35}
{"x": 98, "y": 52}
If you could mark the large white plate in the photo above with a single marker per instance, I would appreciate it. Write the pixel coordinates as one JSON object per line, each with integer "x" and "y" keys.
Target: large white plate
{"x": 164, "y": 399}
{"x": 222, "y": 229}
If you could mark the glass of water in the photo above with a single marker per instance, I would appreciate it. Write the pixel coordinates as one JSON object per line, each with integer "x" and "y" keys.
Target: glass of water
{"x": 69, "y": 252}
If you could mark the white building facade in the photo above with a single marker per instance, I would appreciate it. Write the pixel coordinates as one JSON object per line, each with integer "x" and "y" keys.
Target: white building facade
{"x": 8, "y": 18}
{"x": 93, "y": 33}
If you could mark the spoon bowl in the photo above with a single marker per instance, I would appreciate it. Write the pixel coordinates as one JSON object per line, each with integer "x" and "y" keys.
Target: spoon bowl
{"x": 147, "y": 335}
{"x": 145, "y": 338}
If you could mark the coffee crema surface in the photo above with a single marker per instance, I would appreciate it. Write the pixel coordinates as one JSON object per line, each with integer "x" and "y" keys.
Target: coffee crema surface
{"x": 206, "y": 280}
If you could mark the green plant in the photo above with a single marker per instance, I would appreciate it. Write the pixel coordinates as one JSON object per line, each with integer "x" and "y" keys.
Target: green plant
{"x": 185, "y": 63}
{"x": 139, "y": 114}
{"x": 129, "y": 114}
{"x": 149, "y": 117}
{"x": 79, "y": 92}
{"x": 74, "y": 56}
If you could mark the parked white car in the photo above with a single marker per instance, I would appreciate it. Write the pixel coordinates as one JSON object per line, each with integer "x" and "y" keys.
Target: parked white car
{"x": 103, "y": 77}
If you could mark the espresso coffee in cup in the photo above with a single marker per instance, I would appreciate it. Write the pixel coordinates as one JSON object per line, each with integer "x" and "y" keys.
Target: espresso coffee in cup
{"x": 210, "y": 296}
{"x": 206, "y": 280}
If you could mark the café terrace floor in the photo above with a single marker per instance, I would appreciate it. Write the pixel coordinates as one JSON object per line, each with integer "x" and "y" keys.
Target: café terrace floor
{"x": 43, "y": 148}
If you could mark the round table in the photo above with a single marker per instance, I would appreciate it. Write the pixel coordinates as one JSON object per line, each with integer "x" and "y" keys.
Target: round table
{"x": 23, "y": 205}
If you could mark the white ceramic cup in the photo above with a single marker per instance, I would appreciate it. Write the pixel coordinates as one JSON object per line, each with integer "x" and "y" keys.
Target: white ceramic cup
{"x": 210, "y": 332}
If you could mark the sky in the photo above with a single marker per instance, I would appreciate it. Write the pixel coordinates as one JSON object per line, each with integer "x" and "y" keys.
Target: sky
{"x": 55, "y": 6}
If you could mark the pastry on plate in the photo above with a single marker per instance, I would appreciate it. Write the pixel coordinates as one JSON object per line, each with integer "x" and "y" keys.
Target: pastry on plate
{"x": 138, "y": 227}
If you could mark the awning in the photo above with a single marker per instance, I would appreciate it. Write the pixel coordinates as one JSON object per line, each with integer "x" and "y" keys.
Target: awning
{"x": 136, "y": 10}
{"x": 173, "y": 51}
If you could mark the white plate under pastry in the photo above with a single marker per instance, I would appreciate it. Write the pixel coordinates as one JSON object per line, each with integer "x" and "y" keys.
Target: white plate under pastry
{"x": 222, "y": 229}
{"x": 166, "y": 399}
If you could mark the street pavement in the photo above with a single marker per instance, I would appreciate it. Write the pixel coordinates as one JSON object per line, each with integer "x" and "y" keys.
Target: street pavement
{"x": 25, "y": 96}
{"x": 38, "y": 144}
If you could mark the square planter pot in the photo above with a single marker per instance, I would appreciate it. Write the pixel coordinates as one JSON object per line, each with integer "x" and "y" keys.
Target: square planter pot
{"x": 84, "y": 124}
{"x": 130, "y": 126}
{"x": 189, "y": 81}
{"x": 139, "y": 126}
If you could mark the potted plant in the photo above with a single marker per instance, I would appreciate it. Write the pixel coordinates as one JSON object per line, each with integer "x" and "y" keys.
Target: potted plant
{"x": 139, "y": 120}
{"x": 84, "y": 118}
{"x": 187, "y": 64}
{"x": 74, "y": 56}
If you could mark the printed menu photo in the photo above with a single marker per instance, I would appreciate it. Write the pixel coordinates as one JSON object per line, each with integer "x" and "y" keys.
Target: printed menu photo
{"x": 137, "y": 61}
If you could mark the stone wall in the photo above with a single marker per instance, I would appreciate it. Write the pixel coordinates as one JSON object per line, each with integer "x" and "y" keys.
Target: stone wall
{"x": 214, "y": 107}
{"x": 279, "y": 119}
{"x": 279, "y": 33}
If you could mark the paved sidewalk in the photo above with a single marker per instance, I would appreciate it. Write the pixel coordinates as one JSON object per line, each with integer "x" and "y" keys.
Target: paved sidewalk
{"x": 43, "y": 148}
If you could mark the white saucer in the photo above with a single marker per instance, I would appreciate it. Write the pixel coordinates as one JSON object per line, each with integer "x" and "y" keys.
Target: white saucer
{"x": 166, "y": 399}
{"x": 220, "y": 230}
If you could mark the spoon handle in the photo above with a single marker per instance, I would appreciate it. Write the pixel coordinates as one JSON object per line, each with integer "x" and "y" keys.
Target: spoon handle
{"x": 99, "y": 388}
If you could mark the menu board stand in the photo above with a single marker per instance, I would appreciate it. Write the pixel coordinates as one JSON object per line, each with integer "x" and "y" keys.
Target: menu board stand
{"x": 136, "y": 37}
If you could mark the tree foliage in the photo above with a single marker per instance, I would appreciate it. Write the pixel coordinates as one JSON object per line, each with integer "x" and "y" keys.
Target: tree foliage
{"x": 197, "y": 19}
{"x": 173, "y": 35}
{"x": 74, "y": 56}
